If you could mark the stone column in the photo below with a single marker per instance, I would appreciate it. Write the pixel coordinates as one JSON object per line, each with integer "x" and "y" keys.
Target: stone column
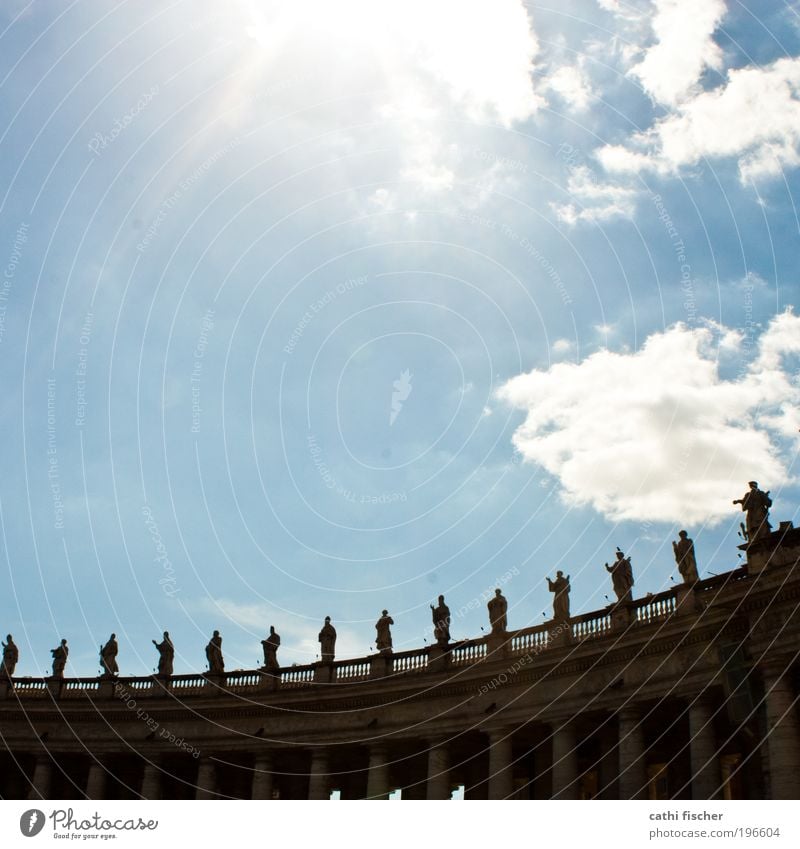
{"x": 632, "y": 766}
{"x": 438, "y": 772}
{"x": 378, "y": 775}
{"x": 501, "y": 782}
{"x": 706, "y": 776}
{"x": 206, "y": 779}
{"x": 783, "y": 734}
{"x": 565, "y": 761}
{"x": 318, "y": 779}
{"x": 42, "y": 778}
{"x": 262, "y": 778}
{"x": 96, "y": 781}
{"x": 151, "y": 781}
{"x": 608, "y": 773}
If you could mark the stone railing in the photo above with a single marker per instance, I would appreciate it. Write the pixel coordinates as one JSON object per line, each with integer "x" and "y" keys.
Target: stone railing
{"x": 296, "y": 676}
{"x": 591, "y": 626}
{"x": 533, "y": 639}
{"x": 415, "y": 660}
{"x": 351, "y": 670}
{"x": 468, "y": 652}
{"x": 654, "y": 608}
{"x": 31, "y": 688}
{"x": 596, "y": 625}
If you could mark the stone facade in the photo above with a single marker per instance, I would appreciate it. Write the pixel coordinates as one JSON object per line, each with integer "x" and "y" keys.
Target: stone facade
{"x": 690, "y": 693}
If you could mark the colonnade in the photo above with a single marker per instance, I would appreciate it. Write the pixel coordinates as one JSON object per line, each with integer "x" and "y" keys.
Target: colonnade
{"x": 534, "y": 760}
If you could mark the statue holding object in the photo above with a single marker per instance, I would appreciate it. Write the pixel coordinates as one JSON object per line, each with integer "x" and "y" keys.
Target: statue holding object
{"x": 270, "y": 646}
{"x": 166, "y": 656}
{"x": 756, "y": 504}
{"x": 216, "y": 663}
{"x": 108, "y": 657}
{"x": 60, "y": 654}
{"x": 10, "y": 658}
{"x": 622, "y": 577}
{"x": 383, "y": 641}
{"x": 561, "y": 589}
{"x": 685, "y": 558}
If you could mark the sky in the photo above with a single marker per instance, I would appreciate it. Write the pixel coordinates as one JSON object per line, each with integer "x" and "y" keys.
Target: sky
{"x": 316, "y": 309}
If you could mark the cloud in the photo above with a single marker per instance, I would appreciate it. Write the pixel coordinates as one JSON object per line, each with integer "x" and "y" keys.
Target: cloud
{"x": 684, "y": 48}
{"x": 754, "y": 116}
{"x": 570, "y": 83}
{"x": 415, "y": 65}
{"x": 658, "y": 434}
{"x": 595, "y": 201}
{"x": 299, "y": 642}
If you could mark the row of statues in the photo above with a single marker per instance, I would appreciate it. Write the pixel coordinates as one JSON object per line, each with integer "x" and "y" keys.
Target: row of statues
{"x": 270, "y": 645}
{"x": 621, "y": 573}
{"x": 754, "y": 503}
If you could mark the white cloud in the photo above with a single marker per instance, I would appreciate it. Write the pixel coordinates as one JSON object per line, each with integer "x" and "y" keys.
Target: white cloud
{"x": 299, "y": 642}
{"x": 562, "y": 346}
{"x": 658, "y": 434}
{"x": 594, "y": 201}
{"x": 571, "y": 84}
{"x": 754, "y": 116}
{"x": 684, "y": 48}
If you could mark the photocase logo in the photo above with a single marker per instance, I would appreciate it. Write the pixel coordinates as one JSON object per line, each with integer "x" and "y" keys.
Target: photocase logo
{"x": 31, "y": 822}
{"x": 402, "y": 389}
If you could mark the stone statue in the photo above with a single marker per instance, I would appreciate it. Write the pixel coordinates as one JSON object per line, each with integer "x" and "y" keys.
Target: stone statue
{"x": 327, "y": 641}
{"x": 60, "y": 655}
{"x": 498, "y": 607}
{"x": 622, "y": 577}
{"x": 383, "y": 642}
{"x": 108, "y": 656}
{"x": 270, "y": 646}
{"x": 166, "y": 656}
{"x": 441, "y": 622}
{"x": 684, "y": 557}
{"x": 10, "y": 658}
{"x": 756, "y": 504}
{"x": 561, "y": 598}
{"x": 216, "y": 664}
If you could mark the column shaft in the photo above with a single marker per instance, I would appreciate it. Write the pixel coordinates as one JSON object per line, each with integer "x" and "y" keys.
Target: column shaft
{"x": 438, "y": 773}
{"x": 783, "y": 735}
{"x": 706, "y": 777}
{"x": 262, "y": 778}
{"x": 151, "y": 781}
{"x": 565, "y": 762}
{"x": 632, "y": 766}
{"x": 501, "y": 782}
{"x": 42, "y": 778}
{"x": 378, "y": 775}
{"x": 206, "y": 780}
{"x": 96, "y": 781}
{"x": 318, "y": 779}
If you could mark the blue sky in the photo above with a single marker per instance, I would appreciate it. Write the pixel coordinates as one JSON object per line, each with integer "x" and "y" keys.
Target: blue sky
{"x": 314, "y": 309}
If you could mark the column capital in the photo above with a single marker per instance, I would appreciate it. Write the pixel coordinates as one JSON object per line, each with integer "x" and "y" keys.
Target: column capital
{"x": 775, "y": 669}
{"x": 631, "y": 712}
{"x": 495, "y": 733}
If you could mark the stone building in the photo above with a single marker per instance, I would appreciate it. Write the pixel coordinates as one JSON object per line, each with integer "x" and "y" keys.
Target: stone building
{"x": 690, "y": 694}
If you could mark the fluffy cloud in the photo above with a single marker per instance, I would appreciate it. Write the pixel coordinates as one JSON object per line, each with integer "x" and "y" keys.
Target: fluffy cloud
{"x": 755, "y": 117}
{"x": 414, "y": 64}
{"x": 420, "y": 56}
{"x": 594, "y": 201}
{"x": 659, "y": 434}
{"x": 684, "y": 48}
{"x": 571, "y": 85}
